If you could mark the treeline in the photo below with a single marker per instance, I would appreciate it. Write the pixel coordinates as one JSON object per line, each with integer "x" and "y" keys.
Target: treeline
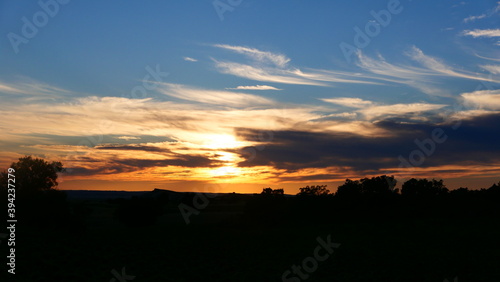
{"x": 385, "y": 186}
{"x": 373, "y": 198}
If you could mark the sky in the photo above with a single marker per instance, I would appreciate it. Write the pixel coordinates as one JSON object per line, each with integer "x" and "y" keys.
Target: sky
{"x": 238, "y": 95}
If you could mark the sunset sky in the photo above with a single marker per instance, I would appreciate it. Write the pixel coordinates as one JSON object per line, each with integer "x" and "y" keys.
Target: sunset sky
{"x": 133, "y": 95}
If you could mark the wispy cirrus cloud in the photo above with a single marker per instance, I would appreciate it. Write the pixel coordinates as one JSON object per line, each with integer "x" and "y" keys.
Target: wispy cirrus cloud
{"x": 189, "y": 59}
{"x": 255, "y": 87}
{"x": 443, "y": 69}
{"x": 217, "y": 97}
{"x": 422, "y": 77}
{"x": 336, "y": 76}
{"x": 413, "y": 76}
{"x": 264, "y": 74}
{"x": 348, "y": 102}
{"x": 487, "y": 14}
{"x": 474, "y": 18}
{"x": 289, "y": 75}
{"x": 30, "y": 89}
{"x": 278, "y": 60}
{"x": 391, "y": 72}
{"x": 494, "y": 69}
{"x": 439, "y": 68}
{"x": 487, "y": 58}
{"x": 482, "y": 33}
{"x": 379, "y": 71}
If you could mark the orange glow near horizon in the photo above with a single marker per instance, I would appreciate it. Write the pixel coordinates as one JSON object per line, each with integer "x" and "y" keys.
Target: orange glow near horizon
{"x": 106, "y": 163}
{"x": 255, "y": 178}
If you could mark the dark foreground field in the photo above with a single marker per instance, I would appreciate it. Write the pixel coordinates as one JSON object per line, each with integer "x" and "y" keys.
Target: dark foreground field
{"x": 257, "y": 238}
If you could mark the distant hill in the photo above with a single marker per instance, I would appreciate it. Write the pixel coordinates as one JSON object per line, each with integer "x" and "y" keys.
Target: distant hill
{"x": 172, "y": 195}
{"x": 102, "y": 195}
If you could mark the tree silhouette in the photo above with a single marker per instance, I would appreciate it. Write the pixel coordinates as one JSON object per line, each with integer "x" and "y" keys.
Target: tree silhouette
{"x": 423, "y": 188}
{"x": 38, "y": 201}
{"x": 319, "y": 190}
{"x": 351, "y": 188}
{"x": 494, "y": 190}
{"x": 33, "y": 175}
{"x": 270, "y": 191}
{"x": 460, "y": 192}
{"x": 379, "y": 185}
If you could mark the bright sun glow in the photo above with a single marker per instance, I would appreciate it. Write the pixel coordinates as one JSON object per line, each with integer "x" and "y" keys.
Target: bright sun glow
{"x": 222, "y": 141}
{"x": 225, "y": 171}
{"x": 226, "y": 156}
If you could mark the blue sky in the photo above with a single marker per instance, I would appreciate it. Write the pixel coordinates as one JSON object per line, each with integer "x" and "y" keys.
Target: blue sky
{"x": 87, "y": 73}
